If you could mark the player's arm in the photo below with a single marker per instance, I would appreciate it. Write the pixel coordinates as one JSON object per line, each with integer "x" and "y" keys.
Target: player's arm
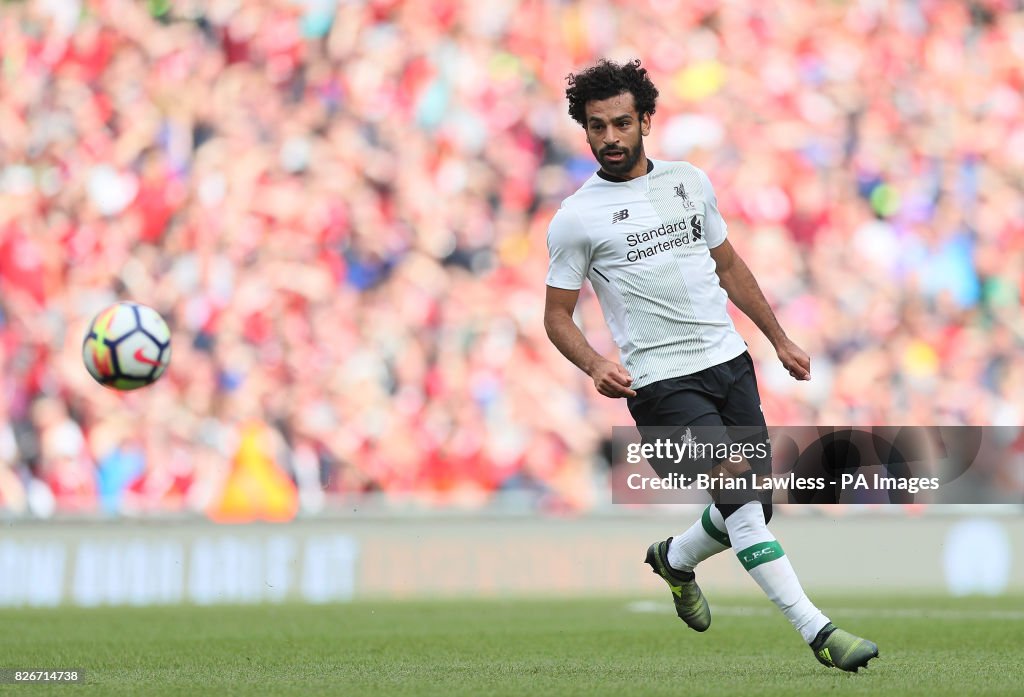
{"x": 741, "y": 286}
{"x": 570, "y": 252}
{"x": 610, "y": 378}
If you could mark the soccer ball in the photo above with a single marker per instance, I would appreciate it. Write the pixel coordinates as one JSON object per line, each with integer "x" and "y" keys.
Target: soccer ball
{"x": 128, "y": 346}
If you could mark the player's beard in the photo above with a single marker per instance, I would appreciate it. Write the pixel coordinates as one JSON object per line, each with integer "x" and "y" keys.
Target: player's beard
{"x": 621, "y": 167}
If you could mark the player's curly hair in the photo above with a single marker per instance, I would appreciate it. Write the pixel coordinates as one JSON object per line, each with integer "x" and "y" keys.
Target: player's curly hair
{"x": 607, "y": 79}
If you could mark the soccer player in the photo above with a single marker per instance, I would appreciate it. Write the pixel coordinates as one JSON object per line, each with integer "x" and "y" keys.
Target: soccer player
{"x": 648, "y": 235}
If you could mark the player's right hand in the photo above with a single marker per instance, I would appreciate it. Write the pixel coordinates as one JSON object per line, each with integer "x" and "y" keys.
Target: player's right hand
{"x": 612, "y": 380}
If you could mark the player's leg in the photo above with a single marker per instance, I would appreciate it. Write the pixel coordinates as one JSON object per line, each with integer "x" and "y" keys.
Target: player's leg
{"x": 747, "y": 520}
{"x": 663, "y": 410}
{"x": 764, "y": 559}
{"x": 760, "y": 552}
{"x": 707, "y": 536}
{"x": 702, "y": 540}
{"x": 666, "y": 408}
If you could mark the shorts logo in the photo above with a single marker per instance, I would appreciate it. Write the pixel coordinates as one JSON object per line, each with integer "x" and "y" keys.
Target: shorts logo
{"x": 620, "y": 215}
{"x": 687, "y": 201}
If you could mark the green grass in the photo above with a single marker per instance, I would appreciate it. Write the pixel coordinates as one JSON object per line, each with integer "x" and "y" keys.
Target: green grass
{"x": 537, "y": 647}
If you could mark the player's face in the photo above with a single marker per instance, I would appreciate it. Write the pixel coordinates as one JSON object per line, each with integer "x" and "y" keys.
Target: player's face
{"x": 615, "y": 133}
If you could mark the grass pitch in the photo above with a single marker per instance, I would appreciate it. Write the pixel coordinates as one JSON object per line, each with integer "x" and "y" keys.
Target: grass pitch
{"x": 549, "y": 647}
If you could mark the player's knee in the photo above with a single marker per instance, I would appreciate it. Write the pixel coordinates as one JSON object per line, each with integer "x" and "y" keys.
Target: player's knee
{"x": 738, "y": 492}
{"x": 726, "y": 509}
{"x": 744, "y": 519}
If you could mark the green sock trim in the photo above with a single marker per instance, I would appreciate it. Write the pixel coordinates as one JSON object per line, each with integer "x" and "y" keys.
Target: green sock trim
{"x": 713, "y": 532}
{"x": 761, "y": 553}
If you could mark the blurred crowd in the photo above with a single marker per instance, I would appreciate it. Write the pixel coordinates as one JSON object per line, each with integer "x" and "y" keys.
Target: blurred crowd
{"x": 340, "y": 208}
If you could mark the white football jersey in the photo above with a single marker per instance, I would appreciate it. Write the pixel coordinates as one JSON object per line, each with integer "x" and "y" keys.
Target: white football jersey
{"x": 644, "y": 244}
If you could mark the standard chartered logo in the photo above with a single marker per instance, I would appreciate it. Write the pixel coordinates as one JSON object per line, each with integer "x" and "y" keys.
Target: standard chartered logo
{"x": 665, "y": 237}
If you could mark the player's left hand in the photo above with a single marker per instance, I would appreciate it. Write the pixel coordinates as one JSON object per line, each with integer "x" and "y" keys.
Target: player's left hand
{"x": 795, "y": 359}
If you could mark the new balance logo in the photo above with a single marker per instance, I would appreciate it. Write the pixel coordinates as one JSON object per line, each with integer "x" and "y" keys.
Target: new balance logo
{"x": 620, "y": 215}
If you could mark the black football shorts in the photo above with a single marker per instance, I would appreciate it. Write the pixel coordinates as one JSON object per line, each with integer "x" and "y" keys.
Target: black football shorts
{"x": 718, "y": 409}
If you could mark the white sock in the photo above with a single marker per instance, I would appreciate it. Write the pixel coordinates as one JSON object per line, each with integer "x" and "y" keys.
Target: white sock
{"x": 763, "y": 558}
{"x": 705, "y": 538}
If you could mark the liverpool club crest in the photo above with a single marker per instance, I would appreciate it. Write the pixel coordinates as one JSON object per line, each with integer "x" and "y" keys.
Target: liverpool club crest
{"x": 681, "y": 193}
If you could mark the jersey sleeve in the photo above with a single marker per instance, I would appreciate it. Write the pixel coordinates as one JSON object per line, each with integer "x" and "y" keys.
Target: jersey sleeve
{"x": 715, "y": 229}
{"x": 568, "y": 251}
